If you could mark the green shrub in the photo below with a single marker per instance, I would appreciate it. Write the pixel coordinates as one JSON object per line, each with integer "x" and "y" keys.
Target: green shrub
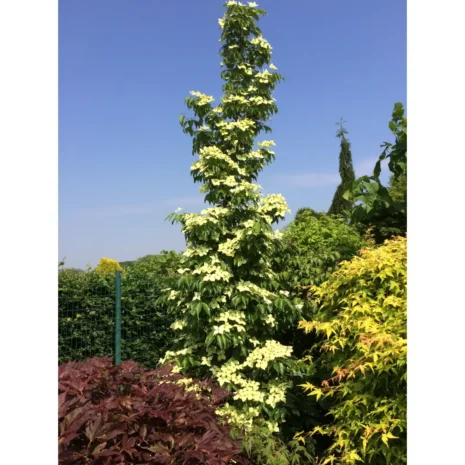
{"x": 107, "y": 266}
{"x": 362, "y": 319}
{"x": 317, "y": 244}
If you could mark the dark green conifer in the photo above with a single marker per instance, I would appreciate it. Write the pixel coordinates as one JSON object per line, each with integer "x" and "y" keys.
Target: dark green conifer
{"x": 339, "y": 205}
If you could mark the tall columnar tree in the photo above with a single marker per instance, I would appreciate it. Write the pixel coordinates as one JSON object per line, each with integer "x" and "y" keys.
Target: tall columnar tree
{"x": 339, "y": 205}
{"x": 228, "y": 293}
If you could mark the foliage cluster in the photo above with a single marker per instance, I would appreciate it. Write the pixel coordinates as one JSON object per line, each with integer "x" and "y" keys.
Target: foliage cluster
{"x": 86, "y": 306}
{"x": 362, "y": 319}
{"x": 128, "y": 414}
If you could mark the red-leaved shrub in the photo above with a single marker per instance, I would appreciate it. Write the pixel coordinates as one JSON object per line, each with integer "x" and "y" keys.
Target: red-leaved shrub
{"x": 130, "y": 415}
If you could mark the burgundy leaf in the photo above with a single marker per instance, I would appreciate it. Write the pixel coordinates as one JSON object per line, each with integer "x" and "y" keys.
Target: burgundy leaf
{"x": 114, "y": 415}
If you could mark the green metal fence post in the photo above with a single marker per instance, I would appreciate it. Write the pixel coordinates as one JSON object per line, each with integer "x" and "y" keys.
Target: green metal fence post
{"x": 118, "y": 318}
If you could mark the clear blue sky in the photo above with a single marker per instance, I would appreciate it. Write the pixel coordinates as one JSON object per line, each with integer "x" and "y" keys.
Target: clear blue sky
{"x": 125, "y": 68}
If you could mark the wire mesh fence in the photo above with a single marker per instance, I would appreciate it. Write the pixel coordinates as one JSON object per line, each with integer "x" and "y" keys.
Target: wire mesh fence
{"x": 86, "y": 316}
{"x": 88, "y": 309}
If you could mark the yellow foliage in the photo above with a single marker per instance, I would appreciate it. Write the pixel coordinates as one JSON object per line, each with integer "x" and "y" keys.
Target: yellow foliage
{"x": 362, "y": 320}
{"x": 108, "y": 266}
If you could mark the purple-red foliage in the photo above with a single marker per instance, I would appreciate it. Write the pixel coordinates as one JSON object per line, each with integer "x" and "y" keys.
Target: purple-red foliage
{"x": 130, "y": 415}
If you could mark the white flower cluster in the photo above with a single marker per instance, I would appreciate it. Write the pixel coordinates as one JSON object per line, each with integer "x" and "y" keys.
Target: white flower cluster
{"x": 240, "y": 419}
{"x": 178, "y": 324}
{"x": 261, "y": 101}
{"x": 191, "y": 220}
{"x": 271, "y": 320}
{"x": 233, "y": 2}
{"x": 250, "y": 156}
{"x": 278, "y": 234}
{"x": 226, "y": 317}
{"x": 230, "y": 246}
{"x": 198, "y": 252}
{"x": 261, "y": 42}
{"x": 242, "y": 124}
{"x": 244, "y": 66}
{"x": 171, "y": 355}
{"x": 273, "y": 426}
{"x": 202, "y": 98}
{"x": 212, "y": 155}
{"x": 266, "y": 143}
{"x": 207, "y": 361}
{"x": 246, "y": 286}
{"x": 213, "y": 272}
{"x": 277, "y": 393}
{"x": 236, "y": 316}
{"x": 228, "y": 181}
{"x": 227, "y": 327}
{"x": 173, "y": 295}
{"x": 216, "y": 212}
{"x": 183, "y": 270}
{"x": 256, "y": 100}
{"x": 261, "y": 356}
{"x": 263, "y": 76}
{"x": 235, "y": 98}
{"x": 274, "y": 204}
{"x": 228, "y": 373}
{"x": 246, "y": 186}
{"x": 250, "y": 390}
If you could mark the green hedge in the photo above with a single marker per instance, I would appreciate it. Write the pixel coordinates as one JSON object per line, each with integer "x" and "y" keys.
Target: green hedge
{"x": 86, "y": 306}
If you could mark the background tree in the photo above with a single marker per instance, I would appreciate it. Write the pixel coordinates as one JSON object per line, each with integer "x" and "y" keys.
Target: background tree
{"x": 340, "y": 205}
{"x": 384, "y": 209}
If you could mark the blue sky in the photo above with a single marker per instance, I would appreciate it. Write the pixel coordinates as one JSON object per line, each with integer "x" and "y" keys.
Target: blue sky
{"x": 125, "y": 67}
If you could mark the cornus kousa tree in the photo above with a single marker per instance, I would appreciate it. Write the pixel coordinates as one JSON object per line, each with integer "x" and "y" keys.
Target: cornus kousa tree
{"x": 228, "y": 295}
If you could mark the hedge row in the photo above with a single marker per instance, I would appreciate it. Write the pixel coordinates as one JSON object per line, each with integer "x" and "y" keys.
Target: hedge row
{"x": 87, "y": 306}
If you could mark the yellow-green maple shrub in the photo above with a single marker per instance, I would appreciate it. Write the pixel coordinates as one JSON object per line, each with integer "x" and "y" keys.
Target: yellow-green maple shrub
{"x": 107, "y": 266}
{"x": 228, "y": 294}
{"x": 362, "y": 321}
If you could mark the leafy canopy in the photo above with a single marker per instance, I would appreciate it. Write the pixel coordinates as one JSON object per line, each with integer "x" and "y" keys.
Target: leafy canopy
{"x": 228, "y": 293}
{"x": 320, "y": 242}
{"x": 362, "y": 319}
